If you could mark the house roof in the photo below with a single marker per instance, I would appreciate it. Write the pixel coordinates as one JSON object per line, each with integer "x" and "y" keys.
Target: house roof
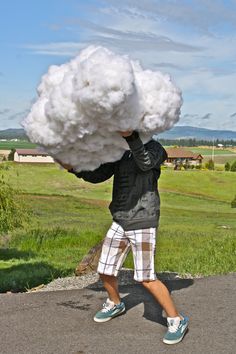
{"x": 32, "y": 152}
{"x": 179, "y": 152}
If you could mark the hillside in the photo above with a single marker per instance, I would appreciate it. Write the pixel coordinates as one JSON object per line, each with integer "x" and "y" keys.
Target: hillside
{"x": 186, "y": 132}
{"x": 13, "y": 134}
{"x": 177, "y": 132}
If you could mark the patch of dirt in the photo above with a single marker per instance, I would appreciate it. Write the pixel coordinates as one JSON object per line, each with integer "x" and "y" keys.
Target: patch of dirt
{"x": 97, "y": 202}
{"x": 46, "y": 196}
{"x": 193, "y": 194}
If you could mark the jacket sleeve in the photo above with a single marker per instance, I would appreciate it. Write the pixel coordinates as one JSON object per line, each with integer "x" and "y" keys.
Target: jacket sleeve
{"x": 148, "y": 156}
{"x": 101, "y": 174}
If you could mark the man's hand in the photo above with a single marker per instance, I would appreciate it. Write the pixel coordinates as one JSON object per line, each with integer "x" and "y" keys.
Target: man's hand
{"x": 126, "y": 133}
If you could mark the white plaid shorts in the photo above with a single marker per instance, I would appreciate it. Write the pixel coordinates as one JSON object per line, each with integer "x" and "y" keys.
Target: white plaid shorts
{"x": 116, "y": 246}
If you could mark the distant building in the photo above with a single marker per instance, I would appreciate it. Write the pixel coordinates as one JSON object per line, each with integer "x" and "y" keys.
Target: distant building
{"x": 32, "y": 155}
{"x": 180, "y": 155}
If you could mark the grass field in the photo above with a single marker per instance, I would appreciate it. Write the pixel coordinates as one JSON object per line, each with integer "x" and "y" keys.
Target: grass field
{"x": 208, "y": 151}
{"x": 196, "y": 235}
{"x": 21, "y": 144}
{"x": 220, "y": 156}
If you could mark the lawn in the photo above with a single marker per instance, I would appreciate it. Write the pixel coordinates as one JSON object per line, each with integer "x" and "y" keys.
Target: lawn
{"x": 219, "y": 156}
{"x": 20, "y": 144}
{"x": 208, "y": 151}
{"x": 68, "y": 216}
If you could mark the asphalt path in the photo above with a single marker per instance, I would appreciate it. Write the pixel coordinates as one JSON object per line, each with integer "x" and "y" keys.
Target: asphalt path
{"x": 62, "y": 321}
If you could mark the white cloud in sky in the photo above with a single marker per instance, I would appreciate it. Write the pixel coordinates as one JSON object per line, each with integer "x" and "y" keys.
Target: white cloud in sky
{"x": 194, "y": 41}
{"x": 56, "y": 49}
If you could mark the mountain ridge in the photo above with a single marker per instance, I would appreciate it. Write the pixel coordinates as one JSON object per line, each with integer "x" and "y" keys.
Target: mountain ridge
{"x": 177, "y": 132}
{"x": 188, "y": 132}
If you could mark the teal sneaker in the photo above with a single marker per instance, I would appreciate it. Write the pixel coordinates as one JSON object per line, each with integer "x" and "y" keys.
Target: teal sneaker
{"x": 176, "y": 330}
{"x": 109, "y": 311}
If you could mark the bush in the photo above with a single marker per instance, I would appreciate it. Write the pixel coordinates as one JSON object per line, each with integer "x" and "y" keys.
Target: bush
{"x": 11, "y": 155}
{"x": 4, "y": 166}
{"x": 227, "y": 166}
{"x": 233, "y": 167}
{"x": 219, "y": 168}
{"x": 233, "y": 203}
{"x": 210, "y": 165}
{"x": 187, "y": 165}
{"x": 13, "y": 213}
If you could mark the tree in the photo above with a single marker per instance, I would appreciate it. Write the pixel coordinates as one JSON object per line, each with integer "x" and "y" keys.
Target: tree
{"x": 11, "y": 155}
{"x": 233, "y": 203}
{"x": 13, "y": 212}
{"x": 227, "y": 166}
{"x": 210, "y": 165}
{"x": 233, "y": 167}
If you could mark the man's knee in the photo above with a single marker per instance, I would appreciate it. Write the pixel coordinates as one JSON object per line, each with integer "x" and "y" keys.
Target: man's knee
{"x": 106, "y": 277}
{"x": 147, "y": 283}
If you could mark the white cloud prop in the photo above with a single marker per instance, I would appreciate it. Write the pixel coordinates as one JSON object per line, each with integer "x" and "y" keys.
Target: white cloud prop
{"x": 84, "y": 103}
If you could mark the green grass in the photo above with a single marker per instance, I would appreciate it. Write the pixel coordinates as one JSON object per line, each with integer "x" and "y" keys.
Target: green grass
{"x": 220, "y": 156}
{"x": 21, "y": 144}
{"x": 49, "y": 179}
{"x": 216, "y": 185}
{"x": 69, "y": 216}
{"x": 205, "y": 151}
{"x": 222, "y": 159}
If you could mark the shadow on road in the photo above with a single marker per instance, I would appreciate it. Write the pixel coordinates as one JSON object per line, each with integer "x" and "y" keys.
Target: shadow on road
{"x": 136, "y": 294}
{"x": 20, "y": 277}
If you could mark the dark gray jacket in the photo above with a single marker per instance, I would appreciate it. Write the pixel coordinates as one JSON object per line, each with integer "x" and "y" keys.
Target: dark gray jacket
{"x": 135, "y": 199}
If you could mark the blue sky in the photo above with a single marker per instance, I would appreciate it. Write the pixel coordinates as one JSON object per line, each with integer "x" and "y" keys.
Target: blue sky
{"x": 193, "y": 41}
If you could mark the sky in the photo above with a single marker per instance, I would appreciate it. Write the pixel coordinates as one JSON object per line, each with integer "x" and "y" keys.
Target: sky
{"x": 193, "y": 41}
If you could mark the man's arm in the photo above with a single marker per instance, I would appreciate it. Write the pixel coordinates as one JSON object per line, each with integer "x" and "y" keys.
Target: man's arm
{"x": 146, "y": 157}
{"x": 101, "y": 174}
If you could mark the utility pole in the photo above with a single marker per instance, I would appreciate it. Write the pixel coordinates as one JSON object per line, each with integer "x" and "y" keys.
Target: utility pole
{"x": 213, "y": 150}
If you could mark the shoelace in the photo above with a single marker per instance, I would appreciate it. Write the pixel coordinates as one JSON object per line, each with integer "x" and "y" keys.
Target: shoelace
{"x": 173, "y": 327}
{"x": 106, "y": 307}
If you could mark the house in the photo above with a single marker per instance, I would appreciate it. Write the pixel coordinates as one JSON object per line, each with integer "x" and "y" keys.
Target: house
{"x": 32, "y": 155}
{"x": 179, "y": 155}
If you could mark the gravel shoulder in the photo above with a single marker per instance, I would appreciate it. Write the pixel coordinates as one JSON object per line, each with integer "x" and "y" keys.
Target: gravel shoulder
{"x": 91, "y": 280}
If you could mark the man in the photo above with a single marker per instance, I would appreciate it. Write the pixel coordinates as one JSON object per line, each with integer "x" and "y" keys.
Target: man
{"x": 135, "y": 209}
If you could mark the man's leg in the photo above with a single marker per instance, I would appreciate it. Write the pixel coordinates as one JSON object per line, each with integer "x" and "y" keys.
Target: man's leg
{"x": 111, "y": 285}
{"x": 143, "y": 243}
{"x": 113, "y": 306}
{"x": 162, "y": 295}
{"x": 114, "y": 251}
{"x": 144, "y": 251}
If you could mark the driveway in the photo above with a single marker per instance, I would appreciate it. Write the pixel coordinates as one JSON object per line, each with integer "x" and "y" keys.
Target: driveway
{"x": 61, "y": 322}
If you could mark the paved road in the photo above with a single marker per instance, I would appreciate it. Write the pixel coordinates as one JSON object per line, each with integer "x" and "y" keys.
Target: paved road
{"x": 61, "y": 322}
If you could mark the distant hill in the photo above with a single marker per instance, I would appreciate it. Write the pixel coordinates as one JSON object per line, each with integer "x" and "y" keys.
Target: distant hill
{"x": 177, "y": 132}
{"x": 186, "y": 132}
{"x": 13, "y": 134}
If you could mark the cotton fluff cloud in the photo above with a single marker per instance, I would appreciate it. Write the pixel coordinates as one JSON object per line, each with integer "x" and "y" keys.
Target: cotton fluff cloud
{"x": 83, "y": 104}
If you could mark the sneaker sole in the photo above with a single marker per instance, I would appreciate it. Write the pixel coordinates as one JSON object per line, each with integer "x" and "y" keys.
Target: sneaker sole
{"x": 100, "y": 320}
{"x": 166, "y": 341}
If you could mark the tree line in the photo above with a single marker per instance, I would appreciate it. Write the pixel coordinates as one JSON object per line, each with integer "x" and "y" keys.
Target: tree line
{"x": 195, "y": 142}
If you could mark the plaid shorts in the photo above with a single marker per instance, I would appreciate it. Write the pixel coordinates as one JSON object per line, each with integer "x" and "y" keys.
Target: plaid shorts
{"x": 116, "y": 246}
